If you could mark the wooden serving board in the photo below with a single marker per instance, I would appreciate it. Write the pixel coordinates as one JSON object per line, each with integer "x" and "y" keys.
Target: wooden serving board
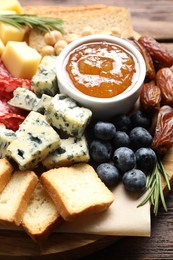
{"x": 65, "y": 246}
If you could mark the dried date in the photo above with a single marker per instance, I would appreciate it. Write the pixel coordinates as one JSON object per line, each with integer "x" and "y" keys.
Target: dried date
{"x": 164, "y": 80}
{"x": 150, "y": 97}
{"x": 163, "y": 136}
{"x": 160, "y": 56}
{"x": 150, "y": 70}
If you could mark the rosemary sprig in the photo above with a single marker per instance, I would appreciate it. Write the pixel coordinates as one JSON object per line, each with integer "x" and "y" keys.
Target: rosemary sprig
{"x": 42, "y": 23}
{"x": 154, "y": 190}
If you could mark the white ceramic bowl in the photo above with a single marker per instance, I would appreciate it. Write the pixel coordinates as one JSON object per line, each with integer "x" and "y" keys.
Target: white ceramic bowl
{"x": 102, "y": 107}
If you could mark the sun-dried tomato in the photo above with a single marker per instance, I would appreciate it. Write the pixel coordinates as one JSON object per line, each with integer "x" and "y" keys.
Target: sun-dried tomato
{"x": 160, "y": 56}
{"x": 150, "y": 97}
{"x": 164, "y": 80}
{"x": 163, "y": 136}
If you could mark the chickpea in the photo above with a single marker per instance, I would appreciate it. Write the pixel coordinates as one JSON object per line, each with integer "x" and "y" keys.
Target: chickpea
{"x": 71, "y": 37}
{"x": 87, "y": 31}
{"x": 52, "y": 37}
{"x": 47, "y": 50}
{"x": 59, "y": 46}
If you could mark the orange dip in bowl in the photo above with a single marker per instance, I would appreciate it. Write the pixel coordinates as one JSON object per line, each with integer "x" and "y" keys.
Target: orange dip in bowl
{"x": 101, "y": 69}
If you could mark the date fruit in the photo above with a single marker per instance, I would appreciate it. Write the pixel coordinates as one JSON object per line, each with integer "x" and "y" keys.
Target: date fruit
{"x": 164, "y": 80}
{"x": 150, "y": 97}
{"x": 163, "y": 136}
{"x": 160, "y": 56}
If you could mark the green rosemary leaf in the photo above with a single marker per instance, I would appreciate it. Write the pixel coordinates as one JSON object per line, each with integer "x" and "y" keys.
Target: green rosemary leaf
{"x": 42, "y": 23}
{"x": 148, "y": 192}
{"x": 154, "y": 188}
{"x": 164, "y": 173}
{"x": 162, "y": 195}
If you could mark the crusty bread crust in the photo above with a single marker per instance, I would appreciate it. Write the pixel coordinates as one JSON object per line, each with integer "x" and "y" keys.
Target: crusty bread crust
{"x": 77, "y": 191}
{"x": 40, "y": 216}
{"x": 6, "y": 170}
{"x": 15, "y": 196}
{"x": 103, "y": 19}
{"x": 100, "y": 17}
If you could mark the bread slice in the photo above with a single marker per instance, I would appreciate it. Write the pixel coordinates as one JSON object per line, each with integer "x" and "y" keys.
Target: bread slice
{"x": 77, "y": 191}
{"x": 15, "y": 196}
{"x": 41, "y": 215}
{"x": 100, "y": 18}
{"x": 6, "y": 170}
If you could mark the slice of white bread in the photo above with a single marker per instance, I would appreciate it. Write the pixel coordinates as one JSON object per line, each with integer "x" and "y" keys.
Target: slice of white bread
{"x": 100, "y": 18}
{"x": 15, "y": 196}
{"x": 41, "y": 215}
{"x": 77, "y": 191}
{"x": 6, "y": 170}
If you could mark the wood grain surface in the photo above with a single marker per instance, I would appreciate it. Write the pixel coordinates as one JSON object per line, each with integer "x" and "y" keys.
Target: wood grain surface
{"x": 149, "y": 17}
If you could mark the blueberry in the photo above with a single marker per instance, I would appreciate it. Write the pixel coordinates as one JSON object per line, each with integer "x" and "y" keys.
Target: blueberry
{"x": 134, "y": 180}
{"x": 145, "y": 159}
{"x": 121, "y": 139}
{"x": 100, "y": 151}
{"x": 140, "y": 137}
{"x": 108, "y": 173}
{"x": 140, "y": 118}
{"x": 104, "y": 130}
{"x": 124, "y": 159}
{"x": 122, "y": 123}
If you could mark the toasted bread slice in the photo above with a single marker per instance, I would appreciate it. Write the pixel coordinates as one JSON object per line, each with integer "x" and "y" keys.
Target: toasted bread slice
{"x": 77, "y": 191}
{"x": 6, "y": 170}
{"x": 15, "y": 196}
{"x": 100, "y": 18}
{"x": 41, "y": 215}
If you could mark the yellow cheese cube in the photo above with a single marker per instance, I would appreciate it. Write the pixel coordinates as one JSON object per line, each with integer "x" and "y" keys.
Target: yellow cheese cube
{"x": 21, "y": 60}
{"x": 1, "y": 47}
{"x": 10, "y": 33}
{"x": 12, "y": 5}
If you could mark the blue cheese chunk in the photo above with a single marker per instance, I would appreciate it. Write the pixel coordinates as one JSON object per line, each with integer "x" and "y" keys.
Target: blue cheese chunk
{"x": 43, "y": 104}
{"x": 24, "y": 98}
{"x": 45, "y": 80}
{"x": 35, "y": 140}
{"x": 72, "y": 150}
{"x": 6, "y": 137}
{"x": 63, "y": 113}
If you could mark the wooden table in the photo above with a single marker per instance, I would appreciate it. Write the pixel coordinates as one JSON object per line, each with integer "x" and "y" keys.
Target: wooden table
{"x": 151, "y": 17}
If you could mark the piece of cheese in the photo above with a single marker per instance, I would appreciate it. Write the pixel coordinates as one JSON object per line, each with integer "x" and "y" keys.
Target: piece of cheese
{"x": 24, "y": 98}
{"x": 64, "y": 113}
{"x": 21, "y": 60}
{"x": 11, "y": 5}
{"x": 6, "y": 137}
{"x": 42, "y": 104}
{"x": 71, "y": 150}
{"x": 45, "y": 80}
{"x": 1, "y": 46}
{"x": 10, "y": 33}
{"x": 35, "y": 140}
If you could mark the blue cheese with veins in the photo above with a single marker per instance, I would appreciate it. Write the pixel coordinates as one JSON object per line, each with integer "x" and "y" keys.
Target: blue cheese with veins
{"x": 35, "y": 140}
{"x": 45, "y": 80}
{"x": 72, "y": 150}
{"x": 43, "y": 104}
{"x": 64, "y": 113}
{"x": 6, "y": 137}
{"x": 24, "y": 98}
